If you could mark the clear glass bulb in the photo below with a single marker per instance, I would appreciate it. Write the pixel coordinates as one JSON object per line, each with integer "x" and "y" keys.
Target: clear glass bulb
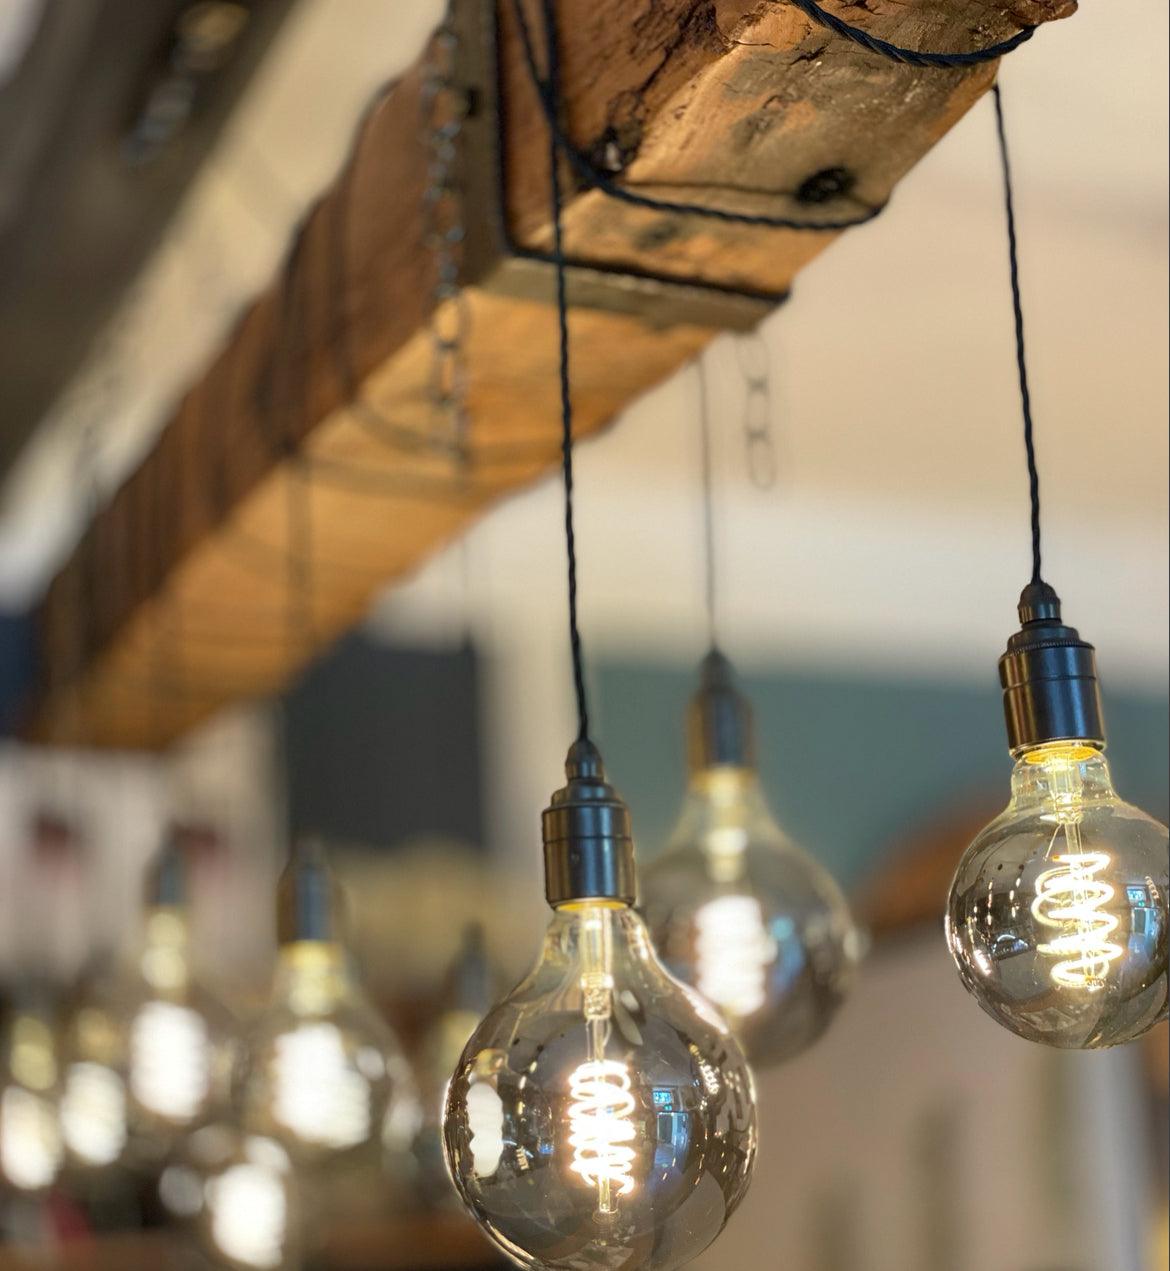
{"x": 147, "y": 1055}
{"x": 326, "y": 1076}
{"x": 749, "y": 919}
{"x": 602, "y": 1115}
{"x": 30, "y": 1134}
{"x": 1057, "y": 918}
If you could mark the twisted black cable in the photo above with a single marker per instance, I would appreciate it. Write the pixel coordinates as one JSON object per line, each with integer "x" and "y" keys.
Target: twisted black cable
{"x": 911, "y": 57}
{"x": 553, "y": 87}
{"x": 1018, "y": 313}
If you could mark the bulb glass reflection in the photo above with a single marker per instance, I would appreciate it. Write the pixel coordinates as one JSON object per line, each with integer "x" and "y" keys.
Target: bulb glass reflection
{"x": 1057, "y": 917}
{"x": 749, "y": 919}
{"x": 602, "y": 1114}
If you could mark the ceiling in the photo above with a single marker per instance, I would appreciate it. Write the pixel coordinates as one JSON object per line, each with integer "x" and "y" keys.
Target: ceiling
{"x": 107, "y": 109}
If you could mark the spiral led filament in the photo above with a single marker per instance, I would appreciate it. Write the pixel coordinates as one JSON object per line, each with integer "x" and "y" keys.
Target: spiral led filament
{"x": 1070, "y": 898}
{"x": 1073, "y": 901}
{"x": 733, "y": 953}
{"x": 600, "y": 1129}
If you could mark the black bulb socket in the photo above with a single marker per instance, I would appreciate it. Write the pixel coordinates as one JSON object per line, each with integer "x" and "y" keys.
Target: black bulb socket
{"x": 720, "y": 728}
{"x": 1049, "y": 677}
{"x": 166, "y": 879}
{"x": 588, "y": 844}
{"x": 309, "y": 903}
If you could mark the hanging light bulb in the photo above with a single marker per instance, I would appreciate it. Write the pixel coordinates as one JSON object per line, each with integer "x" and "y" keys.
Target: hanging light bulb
{"x": 325, "y": 1074}
{"x": 602, "y": 1114}
{"x": 149, "y": 1054}
{"x": 1058, "y": 913}
{"x": 1057, "y": 917}
{"x": 734, "y": 907}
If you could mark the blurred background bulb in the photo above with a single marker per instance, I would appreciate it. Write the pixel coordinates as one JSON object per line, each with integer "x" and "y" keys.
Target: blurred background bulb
{"x": 325, "y": 1073}
{"x": 1058, "y": 913}
{"x": 1058, "y": 917}
{"x": 149, "y": 1053}
{"x": 602, "y": 1114}
{"x": 734, "y": 907}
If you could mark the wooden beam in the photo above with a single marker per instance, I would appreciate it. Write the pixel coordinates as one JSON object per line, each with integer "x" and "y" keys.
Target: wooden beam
{"x": 179, "y": 598}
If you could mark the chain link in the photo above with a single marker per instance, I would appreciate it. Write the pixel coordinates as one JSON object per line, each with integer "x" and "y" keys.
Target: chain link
{"x": 444, "y": 110}
{"x": 751, "y": 353}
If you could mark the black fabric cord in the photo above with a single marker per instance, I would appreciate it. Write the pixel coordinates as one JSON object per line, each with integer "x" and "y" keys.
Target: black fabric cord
{"x": 710, "y": 581}
{"x": 1018, "y": 313}
{"x": 552, "y": 56}
{"x": 911, "y": 57}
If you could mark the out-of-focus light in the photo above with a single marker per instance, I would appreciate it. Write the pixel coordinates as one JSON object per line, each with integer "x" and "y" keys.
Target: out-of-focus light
{"x": 318, "y": 1095}
{"x": 93, "y": 1113}
{"x": 733, "y": 953}
{"x": 170, "y": 1060}
{"x": 30, "y": 1139}
{"x": 249, "y": 1214}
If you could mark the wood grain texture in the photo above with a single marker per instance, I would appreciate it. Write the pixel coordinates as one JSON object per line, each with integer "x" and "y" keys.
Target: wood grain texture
{"x": 180, "y": 598}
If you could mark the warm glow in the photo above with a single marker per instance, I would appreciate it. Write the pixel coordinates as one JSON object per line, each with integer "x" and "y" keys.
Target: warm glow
{"x": 1071, "y": 900}
{"x": 319, "y": 1096}
{"x": 170, "y": 1060}
{"x": 600, "y": 1128}
{"x": 93, "y": 1113}
{"x": 733, "y": 952}
{"x": 30, "y": 1140}
{"x": 249, "y": 1214}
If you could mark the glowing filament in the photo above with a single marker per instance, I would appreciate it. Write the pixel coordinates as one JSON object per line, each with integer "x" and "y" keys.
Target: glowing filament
{"x": 1072, "y": 901}
{"x": 733, "y": 953}
{"x": 600, "y": 1129}
{"x": 320, "y": 1097}
{"x": 170, "y": 1061}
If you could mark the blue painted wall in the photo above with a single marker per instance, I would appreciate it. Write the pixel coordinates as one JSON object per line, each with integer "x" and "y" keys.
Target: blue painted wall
{"x": 851, "y": 763}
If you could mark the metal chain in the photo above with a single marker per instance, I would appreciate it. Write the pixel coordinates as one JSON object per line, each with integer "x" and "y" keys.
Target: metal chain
{"x": 751, "y": 353}
{"x": 444, "y": 110}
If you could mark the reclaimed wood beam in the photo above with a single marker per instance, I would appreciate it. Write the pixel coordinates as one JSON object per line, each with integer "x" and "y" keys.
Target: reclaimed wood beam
{"x": 180, "y": 599}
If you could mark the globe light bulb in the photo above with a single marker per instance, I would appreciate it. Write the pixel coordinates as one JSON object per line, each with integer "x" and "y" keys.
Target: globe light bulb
{"x": 325, "y": 1074}
{"x": 734, "y": 907}
{"x": 1057, "y": 918}
{"x": 602, "y": 1114}
{"x": 148, "y": 1054}
{"x": 31, "y": 1152}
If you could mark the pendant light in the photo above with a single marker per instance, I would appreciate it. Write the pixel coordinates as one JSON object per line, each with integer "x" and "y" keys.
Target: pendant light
{"x": 1057, "y": 918}
{"x": 325, "y": 1075}
{"x": 151, "y": 1055}
{"x": 601, "y": 1114}
{"x": 734, "y": 907}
